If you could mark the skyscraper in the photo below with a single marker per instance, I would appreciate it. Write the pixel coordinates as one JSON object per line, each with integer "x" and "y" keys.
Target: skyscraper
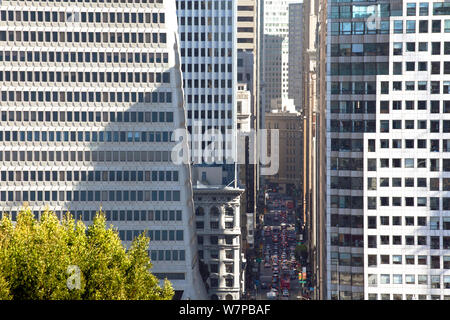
{"x": 209, "y": 63}
{"x": 387, "y": 198}
{"x": 90, "y": 97}
{"x": 295, "y": 58}
{"x": 275, "y": 54}
{"x": 208, "y": 50}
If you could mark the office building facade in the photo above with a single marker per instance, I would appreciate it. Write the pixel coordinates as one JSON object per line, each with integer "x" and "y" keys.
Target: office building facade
{"x": 387, "y": 91}
{"x": 218, "y": 225}
{"x": 295, "y": 55}
{"x": 90, "y": 98}
{"x": 274, "y": 54}
{"x": 209, "y": 53}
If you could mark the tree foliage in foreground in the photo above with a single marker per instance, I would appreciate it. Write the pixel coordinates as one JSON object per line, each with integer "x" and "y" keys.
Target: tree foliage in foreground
{"x": 37, "y": 259}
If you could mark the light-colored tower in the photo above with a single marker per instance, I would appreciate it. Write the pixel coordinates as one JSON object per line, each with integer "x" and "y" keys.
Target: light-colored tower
{"x": 208, "y": 51}
{"x": 275, "y": 54}
{"x": 90, "y": 97}
{"x": 387, "y": 161}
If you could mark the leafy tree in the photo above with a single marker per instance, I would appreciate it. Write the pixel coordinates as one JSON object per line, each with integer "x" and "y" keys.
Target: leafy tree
{"x": 43, "y": 259}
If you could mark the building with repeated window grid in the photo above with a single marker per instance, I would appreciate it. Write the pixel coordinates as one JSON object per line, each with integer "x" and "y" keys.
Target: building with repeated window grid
{"x": 274, "y": 53}
{"x": 90, "y": 97}
{"x": 208, "y": 47}
{"x": 387, "y": 162}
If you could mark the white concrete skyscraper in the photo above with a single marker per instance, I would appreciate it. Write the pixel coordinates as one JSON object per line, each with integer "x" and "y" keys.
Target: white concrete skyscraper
{"x": 388, "y": 162}
{"x": 91, "y": 92}
{"x": 274, "y": 54}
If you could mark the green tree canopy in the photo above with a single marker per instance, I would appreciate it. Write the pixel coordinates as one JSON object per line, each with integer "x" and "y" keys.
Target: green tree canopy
{"x": 49, "y": 259}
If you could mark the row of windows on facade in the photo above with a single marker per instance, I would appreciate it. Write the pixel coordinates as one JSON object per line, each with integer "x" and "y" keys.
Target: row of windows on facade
{"x": 69, "y": 96}
{"x": 206, "y": 52}
{"x": 383, "y": 27}
{"x": 344, "y": 259}
{"x": 382, "y": 68}
{"x": 102, "y": 1}
{"x": 398, "y": 296}
{"x": 84, "y": 57}
{"x": 435, "y": 203}
{"x": 214, "y": 211}
{"x": 114, "y": 215}
{"x": 352, "y": 240}
{"x": 422, "y": 66}
{"x": 435, "y": 243}
{"x": 209, "y": 114}
{"x": 207, "y": 21}
{"x": 356, "y": 183}
{"x": 434, "y": 106}
{"x": 356, "y": 107}
{"x": 210, "y": 84}
{"x": 154, "y": 235}
{"x": 83, "y": 37}
{"x": 214, "y": 267}
{"x": 350, "y": 87}
{"x": 354, "y": 221}
{"x": 83, "y": 195}
{"x": 214, "y": 253}
{"x": 87, "y": 136}
{"x": 86, "y": 116}
{"x": 369, "y": 125}
{"x": 214, "y": 282}
{"x": 422, "y": 279}
{"x": 209, "y": 98}
{"x": 434, "y": 86}
{"x": 228, "y": 239}
{"x": 382, "y": 49}
{"x": 98, "y": 176}
{"x": 214, "y": 225}
{"x": 356, "y": 202}
{"x": 86, "y": 156}
{"x": 364, "y": 11}
{"x": 356, "y": 145}
{"x": 164, "y": 255}
{"x": 206, "y": 36}
{"x": 362, "y": 87}
{"x": 57, "y": 76}
{"x": 81, "y": 16}
{"x": 202, "y": 67}
{"x": 204, "y": 5}
{"x": 409, "y": 182}
{"x": 409, "y": 144}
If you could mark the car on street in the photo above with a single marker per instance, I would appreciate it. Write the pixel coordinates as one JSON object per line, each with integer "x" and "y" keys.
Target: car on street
{"x": 274, "y": 282}
{"x": 266, "y": 265}
{"x": 285, "y": 293}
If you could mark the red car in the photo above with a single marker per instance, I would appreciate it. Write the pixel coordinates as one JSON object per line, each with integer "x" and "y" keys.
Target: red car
{"x": 285, "y": 283}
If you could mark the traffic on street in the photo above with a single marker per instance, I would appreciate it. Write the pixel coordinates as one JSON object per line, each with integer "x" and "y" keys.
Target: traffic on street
{"x": 280, "y": 269}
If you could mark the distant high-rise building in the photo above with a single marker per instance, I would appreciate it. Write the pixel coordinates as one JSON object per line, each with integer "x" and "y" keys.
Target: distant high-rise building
{"x": 295, "y": 78}
{"x": 90, "y": 97}
{"x": 289, "y": 123}
{"x": 247, "y": 25}
{"x": 274, "y": 53}
{"x": 248, "y": 108}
